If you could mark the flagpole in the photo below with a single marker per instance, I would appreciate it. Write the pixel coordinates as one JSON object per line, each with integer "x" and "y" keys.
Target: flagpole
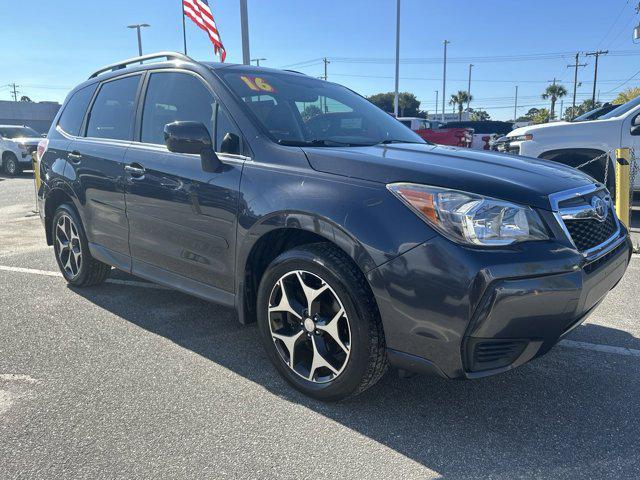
{"x": 184, "y": 29}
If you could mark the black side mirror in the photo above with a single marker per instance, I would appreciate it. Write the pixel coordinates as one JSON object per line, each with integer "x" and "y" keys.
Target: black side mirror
{"x": 230, "y": 144}
{"x": 193, "y": 138}
{"x": 635, "y": 130}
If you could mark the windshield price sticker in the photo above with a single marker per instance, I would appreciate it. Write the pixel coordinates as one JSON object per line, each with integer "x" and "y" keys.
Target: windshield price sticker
{"x": 257, "y": 84}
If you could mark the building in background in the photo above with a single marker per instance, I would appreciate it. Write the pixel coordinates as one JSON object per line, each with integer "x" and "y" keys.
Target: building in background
{"x": 37, "y": 115}
{"x": 449, "y": 117}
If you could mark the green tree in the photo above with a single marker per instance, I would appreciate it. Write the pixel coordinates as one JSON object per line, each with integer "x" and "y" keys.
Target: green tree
{"x": 626, "y": 95}
{"x": 584, "y": 107}
{"x": 528, "y": 117}
{"x": 554, "y": 92}
{"x": 310, "y": 111}
{"x": 409, "y": 105}
{"x": 479, "y": 115}
{"x": 460, "y": 99}
{"x": 541, "y": 116}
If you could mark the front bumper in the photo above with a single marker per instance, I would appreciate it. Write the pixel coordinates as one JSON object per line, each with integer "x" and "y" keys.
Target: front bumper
{"x": 465, "y": 313}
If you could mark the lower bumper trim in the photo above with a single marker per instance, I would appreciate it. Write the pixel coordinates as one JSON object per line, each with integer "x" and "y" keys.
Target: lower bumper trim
{"x": 413, "y": 363}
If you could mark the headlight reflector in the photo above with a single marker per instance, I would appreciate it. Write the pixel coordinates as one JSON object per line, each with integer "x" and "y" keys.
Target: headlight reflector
{"x": 469, "y": 218}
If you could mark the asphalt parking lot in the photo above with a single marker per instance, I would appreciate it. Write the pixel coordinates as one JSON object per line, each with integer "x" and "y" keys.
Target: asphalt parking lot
{"x": 131, "y": 380}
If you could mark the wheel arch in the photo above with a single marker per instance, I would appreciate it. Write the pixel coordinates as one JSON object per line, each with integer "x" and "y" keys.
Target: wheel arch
{"x": 576, "y": 156}
{"x": 277, "y": 233}
{"x": 56, "y": 197}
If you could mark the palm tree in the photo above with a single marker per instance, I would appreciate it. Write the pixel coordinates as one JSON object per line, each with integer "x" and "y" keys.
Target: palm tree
{"x": 460, "y": 99}
{"x": 554, "y": 92}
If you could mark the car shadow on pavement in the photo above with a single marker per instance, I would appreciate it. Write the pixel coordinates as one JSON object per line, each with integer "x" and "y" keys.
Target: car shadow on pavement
{"x": 571, "y": 411}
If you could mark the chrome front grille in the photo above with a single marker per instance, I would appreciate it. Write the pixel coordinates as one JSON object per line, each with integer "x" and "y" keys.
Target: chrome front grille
{"x": 587, "y": 216}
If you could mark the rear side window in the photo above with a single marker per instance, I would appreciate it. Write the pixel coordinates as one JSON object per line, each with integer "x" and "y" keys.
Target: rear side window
{"x": 112, "y": 112}
{"x": 172, "y": 97}
{"x": 73, "y": 113}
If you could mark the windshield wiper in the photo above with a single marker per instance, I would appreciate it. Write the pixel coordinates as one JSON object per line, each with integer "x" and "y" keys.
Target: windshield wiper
{"x": 387, "y": 141}
{"x": 321, "y": 143}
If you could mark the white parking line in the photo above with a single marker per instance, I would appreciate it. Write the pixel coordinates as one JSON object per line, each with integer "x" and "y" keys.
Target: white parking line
{"x": 596, "y": 347}
{"x": 115, "y": 281}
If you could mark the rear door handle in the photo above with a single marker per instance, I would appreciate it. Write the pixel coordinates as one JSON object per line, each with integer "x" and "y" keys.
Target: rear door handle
{"x": 135, "y": 170}
{"x": 75, "y": 156}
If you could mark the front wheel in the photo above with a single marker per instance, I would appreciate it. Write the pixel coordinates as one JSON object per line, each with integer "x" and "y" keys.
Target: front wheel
{"x": 70, "y": 245}
{"x": 320, "y": 324}
{"x": 11, "y": 165}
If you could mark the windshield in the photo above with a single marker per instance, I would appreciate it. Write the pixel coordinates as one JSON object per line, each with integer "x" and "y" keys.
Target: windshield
{"x": 17, "y": 132}
{"x": 622, "y": 109}
{"x": 300, "y": 110}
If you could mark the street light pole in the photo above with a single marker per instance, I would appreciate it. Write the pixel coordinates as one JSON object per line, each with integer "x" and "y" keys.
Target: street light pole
{"x": 469, "y": 86}
{"x": 138, "y": 27}
{"x": 258, "y": 60}
{"x": 396, "y": 98}
{"x": 244, "y": 25}
{"x": 436, "y": 115}
{"x": 444, "y": 78}
{"x": 515, "y": 107}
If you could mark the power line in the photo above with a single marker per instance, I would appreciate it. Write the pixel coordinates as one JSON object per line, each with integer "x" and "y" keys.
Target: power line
{"x": 614, "y": 23}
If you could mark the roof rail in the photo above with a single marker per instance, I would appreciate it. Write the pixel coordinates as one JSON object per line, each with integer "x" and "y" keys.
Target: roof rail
{"x": 120, "y": 65}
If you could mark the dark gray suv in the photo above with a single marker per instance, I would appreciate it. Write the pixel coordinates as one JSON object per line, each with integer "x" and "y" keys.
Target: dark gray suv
{"x": 352, "y": 242}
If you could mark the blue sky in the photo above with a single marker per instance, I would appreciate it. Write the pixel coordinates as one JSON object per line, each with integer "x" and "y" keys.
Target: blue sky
{"x": 48, "y": 47}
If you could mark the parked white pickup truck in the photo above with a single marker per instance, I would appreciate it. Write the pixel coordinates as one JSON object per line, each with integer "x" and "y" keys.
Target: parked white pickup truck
{"x": 17, "y": 142}
{"x": 574, "y": 143}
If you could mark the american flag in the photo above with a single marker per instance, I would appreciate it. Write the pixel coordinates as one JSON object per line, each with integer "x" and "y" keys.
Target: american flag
{"x": 200, "y": 13}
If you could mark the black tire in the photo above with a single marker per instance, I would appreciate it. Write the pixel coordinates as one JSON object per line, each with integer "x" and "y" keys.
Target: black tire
{"x": 91, "y": 271}
{"x": 367, "y": 359}
{"x": 11, "y": 165}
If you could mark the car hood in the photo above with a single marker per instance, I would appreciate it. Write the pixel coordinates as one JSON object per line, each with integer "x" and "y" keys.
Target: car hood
{"x": 522, "y": 180}
{"x": 561, "y": 129}
{"x": 32, "y": 141}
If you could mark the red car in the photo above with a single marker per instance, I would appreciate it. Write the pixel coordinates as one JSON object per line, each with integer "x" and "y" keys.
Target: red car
{"x": 435, "y": 132}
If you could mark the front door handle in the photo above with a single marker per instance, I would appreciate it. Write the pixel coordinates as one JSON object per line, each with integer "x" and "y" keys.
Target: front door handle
{"x": 135, "y": 170}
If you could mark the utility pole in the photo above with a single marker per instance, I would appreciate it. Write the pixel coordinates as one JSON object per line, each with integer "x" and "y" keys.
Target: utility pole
{"x": 436, "y": 104}
{"x": 258, "y": 60}
{"x": 14, "y": 92}
{"x": 396, "y": 97}
{"x": 244, "y": 26}
{"x": 561, "y": 107}
{"x": 326, "y": 62}
{"x": 575, "y": 84}
{"x": 469, "y": 85}
{"x": 138, "y": 27}
{"x": 515, "y": 106}
{"x": 444, "y": 78}
{"x": 595, "y": 70}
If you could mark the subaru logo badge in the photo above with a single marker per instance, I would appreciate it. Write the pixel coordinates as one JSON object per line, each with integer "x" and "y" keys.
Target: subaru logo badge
{"x": 599, "y": 208}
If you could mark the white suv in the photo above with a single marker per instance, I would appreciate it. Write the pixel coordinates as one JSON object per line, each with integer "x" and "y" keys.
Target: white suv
{"x": 574, "y": 143}
{"x": 17, "y": 142}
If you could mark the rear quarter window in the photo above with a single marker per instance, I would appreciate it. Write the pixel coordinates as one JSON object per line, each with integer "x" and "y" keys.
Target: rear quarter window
{"x": 73, "y": 113}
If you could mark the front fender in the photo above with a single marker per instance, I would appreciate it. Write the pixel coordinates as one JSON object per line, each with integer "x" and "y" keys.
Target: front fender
{"x": 361, "y": 217}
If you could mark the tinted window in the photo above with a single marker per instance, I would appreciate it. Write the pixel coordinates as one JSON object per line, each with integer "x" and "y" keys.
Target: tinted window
{"x": 173, "y": 97}
{"x": 112, "y": 112}
{"x": 73, "y": 113}
{"x": 223, "y": 127}
{"x": 297, "y": 109}
{"x": 622, "y": 109}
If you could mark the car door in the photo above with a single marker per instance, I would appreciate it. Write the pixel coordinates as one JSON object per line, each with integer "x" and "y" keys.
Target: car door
{"x": 182, "y": 219}
{"x": 96, "y": 167}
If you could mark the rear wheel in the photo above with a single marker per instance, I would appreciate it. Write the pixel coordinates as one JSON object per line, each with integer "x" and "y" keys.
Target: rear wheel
{"x": 320, "y": 324}
{"x": 77, "y": 265}
{"x": 11, "y": 165}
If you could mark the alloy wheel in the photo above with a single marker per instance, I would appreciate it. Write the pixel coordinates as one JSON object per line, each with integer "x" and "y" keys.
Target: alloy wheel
{"x": 68, "y": 245}
{"x": 309, "y": 326}
{"x": 11, "y": 167}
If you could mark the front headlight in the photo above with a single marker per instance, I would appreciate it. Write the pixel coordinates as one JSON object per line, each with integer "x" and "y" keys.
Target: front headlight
{"x": 469, "y": 218}
{"x": 521, "y": 138}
